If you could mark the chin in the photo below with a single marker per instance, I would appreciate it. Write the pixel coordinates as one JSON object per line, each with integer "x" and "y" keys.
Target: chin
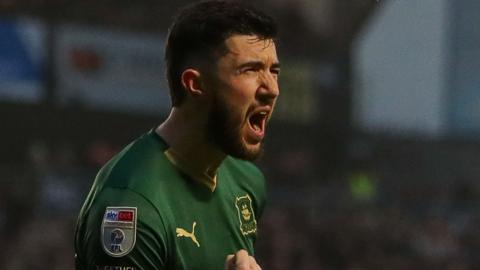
{"x": 247, "y": 151}
{"x": 229, "y": 132}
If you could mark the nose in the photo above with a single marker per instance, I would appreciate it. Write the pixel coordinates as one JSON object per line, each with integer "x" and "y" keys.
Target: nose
{"x": 269, "y": 89}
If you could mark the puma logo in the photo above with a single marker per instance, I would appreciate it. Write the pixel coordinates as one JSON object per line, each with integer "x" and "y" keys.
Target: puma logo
{"x": 181, "y": 232}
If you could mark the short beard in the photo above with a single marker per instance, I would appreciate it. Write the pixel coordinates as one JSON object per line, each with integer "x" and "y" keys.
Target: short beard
{"x": 225, "y": 131}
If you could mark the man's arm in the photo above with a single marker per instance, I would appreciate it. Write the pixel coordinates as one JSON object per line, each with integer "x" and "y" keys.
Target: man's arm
{"x": 121, "y": 229}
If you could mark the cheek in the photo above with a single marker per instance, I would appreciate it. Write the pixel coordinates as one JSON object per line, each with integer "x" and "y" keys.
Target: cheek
{"x": 244, "y": 90}
{"x": 238, "y": 94}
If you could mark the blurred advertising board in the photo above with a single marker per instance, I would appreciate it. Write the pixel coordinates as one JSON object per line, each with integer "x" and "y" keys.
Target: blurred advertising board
{"x": 22, "y": 54}
{"x": 399, "y": 70}
{"x": 464, "y": 71}
{"x": 298, "y": 98}
{"x": 110, "y": 70}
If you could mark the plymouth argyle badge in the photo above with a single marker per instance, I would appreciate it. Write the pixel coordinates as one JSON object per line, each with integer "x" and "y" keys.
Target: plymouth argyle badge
{"x": 248, "y": 224}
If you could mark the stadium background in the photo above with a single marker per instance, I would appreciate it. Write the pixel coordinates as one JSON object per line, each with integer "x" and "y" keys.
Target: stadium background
{"x": 373, "y": 156}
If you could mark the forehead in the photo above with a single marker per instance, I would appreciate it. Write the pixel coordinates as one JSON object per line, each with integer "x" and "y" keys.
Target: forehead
{"x": 250, "y": 47}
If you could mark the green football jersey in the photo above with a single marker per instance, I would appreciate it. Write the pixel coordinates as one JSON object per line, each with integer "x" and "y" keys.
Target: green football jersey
{"x": 144, "y": 213}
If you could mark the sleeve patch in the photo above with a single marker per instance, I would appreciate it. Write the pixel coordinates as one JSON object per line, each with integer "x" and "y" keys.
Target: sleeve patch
{"x": 119, "y": 230}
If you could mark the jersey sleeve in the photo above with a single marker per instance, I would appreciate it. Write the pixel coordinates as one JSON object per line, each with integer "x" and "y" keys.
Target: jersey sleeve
{"x": 121, "y": 230}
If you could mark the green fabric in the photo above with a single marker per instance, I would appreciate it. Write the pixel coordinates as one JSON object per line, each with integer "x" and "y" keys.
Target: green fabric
{"x": 141, "y": 176}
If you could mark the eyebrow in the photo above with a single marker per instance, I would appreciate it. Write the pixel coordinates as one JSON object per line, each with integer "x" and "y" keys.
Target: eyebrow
{"x": 254, "y": 63}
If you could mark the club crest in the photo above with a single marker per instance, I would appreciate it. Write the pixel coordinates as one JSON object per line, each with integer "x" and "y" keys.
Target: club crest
{"x": 119, "y": 229}
{"x": 248, "y": 223}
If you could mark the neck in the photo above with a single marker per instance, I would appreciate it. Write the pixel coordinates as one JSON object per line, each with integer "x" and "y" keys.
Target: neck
{"x": 185, "y": 132}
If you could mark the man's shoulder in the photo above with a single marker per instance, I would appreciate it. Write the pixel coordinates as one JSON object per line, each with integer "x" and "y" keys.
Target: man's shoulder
{"x": 139, "y": 165}
{"x": 248, "y": 178}
{"x": 246, "y": 174}
{"x": 139, "y": 153}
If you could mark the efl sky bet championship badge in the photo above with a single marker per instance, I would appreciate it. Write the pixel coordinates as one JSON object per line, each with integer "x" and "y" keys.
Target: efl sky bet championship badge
{"x": 119, "y": 229}
{"x": 248, "y": 224}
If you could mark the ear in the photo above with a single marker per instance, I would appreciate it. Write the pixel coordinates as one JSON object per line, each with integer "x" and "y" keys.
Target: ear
{"x": 191, "y": 81}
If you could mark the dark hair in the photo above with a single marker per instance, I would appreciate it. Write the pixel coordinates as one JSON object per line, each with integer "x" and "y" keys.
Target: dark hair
{"x": 198, "y": 33}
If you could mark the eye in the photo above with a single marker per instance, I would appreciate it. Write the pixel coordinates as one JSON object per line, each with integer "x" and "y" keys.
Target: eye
{"x": 249, "y": 70}
{"x": 275, "y": 71}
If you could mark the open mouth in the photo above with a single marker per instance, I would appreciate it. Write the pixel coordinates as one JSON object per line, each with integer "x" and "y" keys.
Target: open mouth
{"x": 257, "y": 123}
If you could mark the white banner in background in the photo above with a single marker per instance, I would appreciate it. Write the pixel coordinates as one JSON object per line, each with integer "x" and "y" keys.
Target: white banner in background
{"x": 111, "y": 70}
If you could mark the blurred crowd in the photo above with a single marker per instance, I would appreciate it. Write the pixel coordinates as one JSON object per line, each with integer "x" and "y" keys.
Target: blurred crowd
{"x": 402, "y": 230}
{"x": 39, "y": 202}
{"x": 354, "y": 221}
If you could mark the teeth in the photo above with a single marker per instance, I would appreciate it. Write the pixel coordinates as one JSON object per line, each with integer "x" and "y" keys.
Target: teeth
{"x": 263, "y": 113}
